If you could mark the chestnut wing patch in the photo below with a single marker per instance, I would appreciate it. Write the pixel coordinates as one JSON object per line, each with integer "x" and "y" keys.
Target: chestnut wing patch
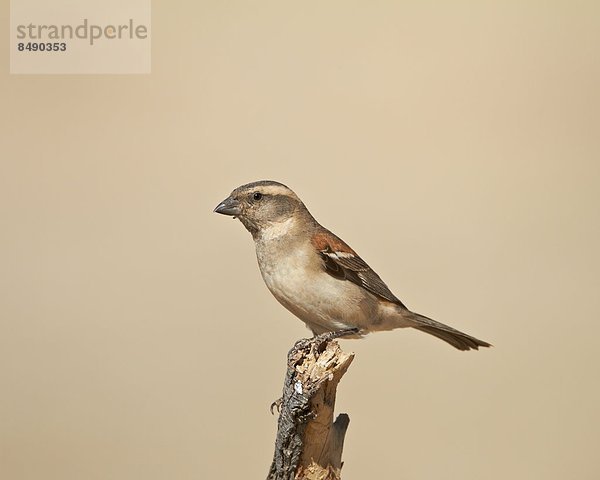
{"x": 342, "y": 262}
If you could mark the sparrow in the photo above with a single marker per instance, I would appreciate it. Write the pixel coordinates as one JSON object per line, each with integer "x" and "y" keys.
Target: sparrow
{"x": 316, "y": 275}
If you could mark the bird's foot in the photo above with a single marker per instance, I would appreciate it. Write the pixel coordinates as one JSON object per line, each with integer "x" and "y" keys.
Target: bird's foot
{"x": 327, "y": 336}
{"x": 276, "y": 405}
{"x": 318, "y": 342}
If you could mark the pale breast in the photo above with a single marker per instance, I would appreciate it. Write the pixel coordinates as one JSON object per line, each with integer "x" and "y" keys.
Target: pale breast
{"x": 323, "y": 300}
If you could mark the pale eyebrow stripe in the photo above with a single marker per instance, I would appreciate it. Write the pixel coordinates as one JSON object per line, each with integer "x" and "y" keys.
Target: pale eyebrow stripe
{"x": 275, "y": 190}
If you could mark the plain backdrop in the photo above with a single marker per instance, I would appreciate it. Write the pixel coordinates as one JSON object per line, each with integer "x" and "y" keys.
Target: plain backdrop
{"x": 454, "y": 145}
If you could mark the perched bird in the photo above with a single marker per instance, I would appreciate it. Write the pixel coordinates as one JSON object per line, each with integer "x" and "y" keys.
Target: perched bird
{"x": 316, "y": 275}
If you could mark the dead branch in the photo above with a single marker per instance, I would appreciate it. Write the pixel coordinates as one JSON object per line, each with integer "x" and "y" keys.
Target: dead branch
{"x": 309, "y": 443}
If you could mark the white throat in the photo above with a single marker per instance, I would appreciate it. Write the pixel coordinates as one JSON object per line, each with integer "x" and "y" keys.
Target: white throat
{"x": 277, "y": 230}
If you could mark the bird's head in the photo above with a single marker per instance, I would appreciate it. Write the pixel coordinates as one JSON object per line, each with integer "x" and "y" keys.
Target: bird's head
{"x": 263, "y": 205}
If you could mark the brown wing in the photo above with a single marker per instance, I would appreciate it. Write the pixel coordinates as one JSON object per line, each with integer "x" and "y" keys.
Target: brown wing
{"x": 342, "y": 262}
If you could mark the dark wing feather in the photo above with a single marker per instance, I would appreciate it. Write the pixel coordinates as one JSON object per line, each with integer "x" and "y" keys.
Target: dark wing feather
{"x": 342, "y": 262}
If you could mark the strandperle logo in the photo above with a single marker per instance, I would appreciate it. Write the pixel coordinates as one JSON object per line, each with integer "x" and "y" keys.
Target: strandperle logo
{"x": 84, "y": 31}
{"x": 82, "y": 37}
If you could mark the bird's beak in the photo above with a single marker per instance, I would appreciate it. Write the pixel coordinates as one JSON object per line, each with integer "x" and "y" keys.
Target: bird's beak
{"x": 229, "y": 206}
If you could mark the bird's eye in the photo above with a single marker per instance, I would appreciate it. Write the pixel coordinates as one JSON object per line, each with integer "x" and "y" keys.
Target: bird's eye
{"x": 257, "y": 195}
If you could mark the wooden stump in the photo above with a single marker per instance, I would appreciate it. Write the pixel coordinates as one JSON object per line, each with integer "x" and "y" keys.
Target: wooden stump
{"x": 309, "y": 443}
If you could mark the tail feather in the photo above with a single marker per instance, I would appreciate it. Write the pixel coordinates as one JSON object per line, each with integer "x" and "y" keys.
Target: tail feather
{"x": 457, "y": 339}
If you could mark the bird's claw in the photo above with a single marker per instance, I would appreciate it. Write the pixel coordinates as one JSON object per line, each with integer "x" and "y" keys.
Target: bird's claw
{"x": 276, "y": 404}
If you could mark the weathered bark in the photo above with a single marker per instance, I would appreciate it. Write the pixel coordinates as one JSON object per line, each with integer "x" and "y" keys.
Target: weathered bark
{"x": 309, "y": 443}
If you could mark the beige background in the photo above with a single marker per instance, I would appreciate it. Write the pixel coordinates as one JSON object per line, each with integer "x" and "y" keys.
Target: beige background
{"x": 456, "y": 147}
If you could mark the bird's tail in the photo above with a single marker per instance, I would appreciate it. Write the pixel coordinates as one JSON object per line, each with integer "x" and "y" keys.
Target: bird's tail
{"x": 457, "y": 339}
